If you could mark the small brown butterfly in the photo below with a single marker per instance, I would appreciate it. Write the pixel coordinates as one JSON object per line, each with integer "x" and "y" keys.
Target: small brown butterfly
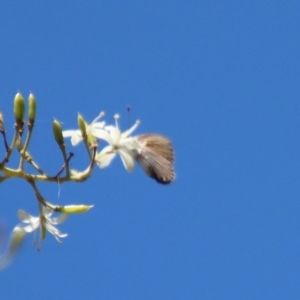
{"x": 156, "y": 157}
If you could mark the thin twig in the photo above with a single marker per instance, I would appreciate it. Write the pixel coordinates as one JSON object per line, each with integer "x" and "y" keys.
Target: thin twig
{"x": 29, "y": 158}
{"x": 2, "y": 131}
{"x": 39, "y": 197}
{"x": 71, "y": 154}
{"x": 11, "y": 148}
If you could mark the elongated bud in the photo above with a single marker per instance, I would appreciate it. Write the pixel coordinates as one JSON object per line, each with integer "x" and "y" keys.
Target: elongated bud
{"x": 81, "y": 125}
{"x": 92, "y": 141}
{"x": 31, "y": 108}
{"x": 19, "y": 108}
{"x": 57, "y": 131}
{"x": 75, "y": 209}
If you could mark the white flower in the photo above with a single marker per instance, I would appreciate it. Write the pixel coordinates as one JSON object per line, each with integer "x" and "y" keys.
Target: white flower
{"x": 44, "y": 221}
{"x": 75, "y": 134}
{"x": 121, "y": 143}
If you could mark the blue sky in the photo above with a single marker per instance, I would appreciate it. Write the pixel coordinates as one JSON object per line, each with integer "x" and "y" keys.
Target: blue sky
{"x": 221, "y": 80}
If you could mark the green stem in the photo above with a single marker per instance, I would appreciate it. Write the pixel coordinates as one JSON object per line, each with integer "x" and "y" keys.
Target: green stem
{"x": 11, "y": 148}
{"x": 23, "y": 151}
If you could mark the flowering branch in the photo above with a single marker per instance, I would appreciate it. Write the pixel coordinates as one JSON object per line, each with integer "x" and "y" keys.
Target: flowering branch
{"x": 153, "y": 152}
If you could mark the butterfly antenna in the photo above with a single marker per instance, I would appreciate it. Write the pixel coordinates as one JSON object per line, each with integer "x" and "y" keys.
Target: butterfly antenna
{"x": 128, "y": 114}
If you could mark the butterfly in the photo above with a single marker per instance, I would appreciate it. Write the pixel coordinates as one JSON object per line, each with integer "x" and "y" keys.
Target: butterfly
{"x": 156, "y": 157}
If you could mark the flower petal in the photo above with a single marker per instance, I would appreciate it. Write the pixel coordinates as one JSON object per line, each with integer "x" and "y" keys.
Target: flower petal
{"x": 55, "y": 232}
{"x": 47, "y": 212}
{"x": 58, "y": 220}
{"x": 74, "y": 134}
{"x": 96, "y": 125}
{"x": 102, "y": 135}
{"x": 130, "y": 145}
{"x": 105, "y": 157}
{"x": 128, "y": 132}
{"x": 127, "y": 159}
{"x": 69, "y": 133}
{"x": 76, "y": 138}
{"x": 31, "y": 227}
{"x": 25, "y": 217}
{"x": 114, "y": 133}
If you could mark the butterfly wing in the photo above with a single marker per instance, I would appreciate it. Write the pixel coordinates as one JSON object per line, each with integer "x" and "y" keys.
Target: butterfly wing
{"x": 156, "y": 157}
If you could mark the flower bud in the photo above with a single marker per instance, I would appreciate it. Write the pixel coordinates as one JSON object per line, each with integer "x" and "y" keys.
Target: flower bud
{"x": 31, "y": 108}
{"x": 57, "y": 131}
{"x": 81, "y": 125}
{"x": 92, "y": 141}
{"x": 19, "y": 108}
{"x": 75, "y": 209}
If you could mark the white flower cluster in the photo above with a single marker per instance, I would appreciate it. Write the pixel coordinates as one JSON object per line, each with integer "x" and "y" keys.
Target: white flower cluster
{"x": 118, "y": 142}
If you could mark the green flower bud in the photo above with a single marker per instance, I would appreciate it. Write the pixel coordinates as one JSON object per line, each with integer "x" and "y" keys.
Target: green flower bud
{"x": 75, "y": 209}
{"x": 81, "y": 125}
{"x": 92, "y": 141}
{"x": 57, "y": 131}
{"x": 31, "y": 108}
{"x": 19, "y": 108}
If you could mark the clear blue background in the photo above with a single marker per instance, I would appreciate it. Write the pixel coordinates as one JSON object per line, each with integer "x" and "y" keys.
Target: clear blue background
{"x": 221, "y": 79}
